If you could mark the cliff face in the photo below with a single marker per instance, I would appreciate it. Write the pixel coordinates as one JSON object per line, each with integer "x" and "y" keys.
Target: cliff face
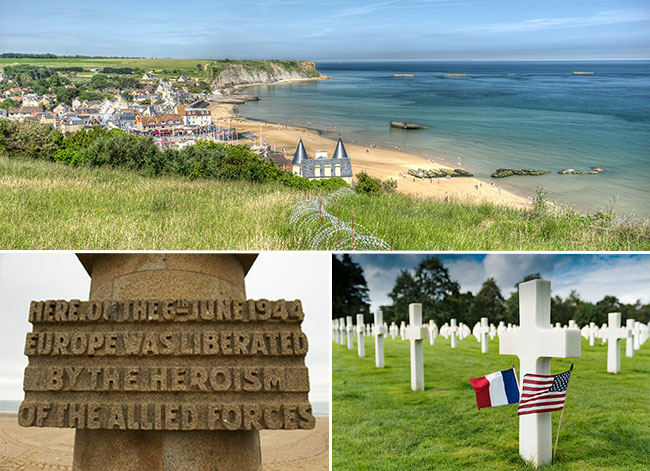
{"x": 237, "y": 74}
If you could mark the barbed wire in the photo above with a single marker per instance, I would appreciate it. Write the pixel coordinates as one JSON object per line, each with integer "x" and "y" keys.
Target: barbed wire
{"x": 328, "y": 232}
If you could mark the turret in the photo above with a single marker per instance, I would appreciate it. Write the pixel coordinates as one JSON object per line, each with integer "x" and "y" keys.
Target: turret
{"x": 339, "y": 152}
{"x": 298, "y": 156}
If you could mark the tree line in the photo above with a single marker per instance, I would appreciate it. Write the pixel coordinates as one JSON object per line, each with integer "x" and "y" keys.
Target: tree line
{"x": 442, "y": 298}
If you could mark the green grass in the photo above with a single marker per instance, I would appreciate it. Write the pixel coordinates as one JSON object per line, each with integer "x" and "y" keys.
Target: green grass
{"x": 378, "y": 423}
{"x": 188, "y": 67}
{"x": 46, "y": 205}
{"x": 411, "y": 223}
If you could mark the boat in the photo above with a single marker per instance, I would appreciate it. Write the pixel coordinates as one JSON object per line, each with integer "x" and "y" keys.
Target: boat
{"x": 455, "y": 75}
{"x": 583, "y": 73}
{"x": 403, "y": 75}
{"x": 405, "y": 125}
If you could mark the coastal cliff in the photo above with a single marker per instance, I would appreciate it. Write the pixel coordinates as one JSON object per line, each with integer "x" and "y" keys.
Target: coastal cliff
{"x": 227, "y": 75}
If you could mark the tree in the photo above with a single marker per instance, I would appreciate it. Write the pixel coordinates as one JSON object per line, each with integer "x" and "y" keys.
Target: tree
{"x": 488, "y": 303}
{"x": 349, "y": 288}
{"x": 564, "y": 310}
{"x": 404, "y": 292}
{"x": 586, "y": 313}
{"x": 431, "y": 287}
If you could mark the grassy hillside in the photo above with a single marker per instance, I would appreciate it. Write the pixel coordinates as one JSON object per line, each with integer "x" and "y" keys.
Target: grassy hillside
{"x": 378, "y": 423}
{"x": 417, "y": 224}
{"x": 48, "y": 205}
{"x": 51, "y": 206}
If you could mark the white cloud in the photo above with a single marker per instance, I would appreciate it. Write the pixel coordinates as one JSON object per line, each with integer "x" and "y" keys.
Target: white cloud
{"x": 536, "y": 24}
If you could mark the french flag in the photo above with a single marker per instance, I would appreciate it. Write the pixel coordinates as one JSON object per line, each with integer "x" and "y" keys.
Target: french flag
{"x": 496, "y": 389}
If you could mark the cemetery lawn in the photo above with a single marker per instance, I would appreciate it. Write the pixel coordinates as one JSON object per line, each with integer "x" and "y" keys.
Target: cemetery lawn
{"x": 378, "y": 423}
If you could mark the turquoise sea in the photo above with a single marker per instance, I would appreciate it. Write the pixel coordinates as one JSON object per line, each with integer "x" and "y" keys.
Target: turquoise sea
{"x": 534, "y": 115}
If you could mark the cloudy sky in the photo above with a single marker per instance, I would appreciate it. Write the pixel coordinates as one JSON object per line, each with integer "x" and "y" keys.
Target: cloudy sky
{"x": 275, "y": 275}
{"x": 333, "y": 30}
{"x": 591, "y": 275}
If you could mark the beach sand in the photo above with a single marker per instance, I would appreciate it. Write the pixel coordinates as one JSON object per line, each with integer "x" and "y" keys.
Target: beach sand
{"x": 376, "y": 162}
{"x": 50, "y": 449}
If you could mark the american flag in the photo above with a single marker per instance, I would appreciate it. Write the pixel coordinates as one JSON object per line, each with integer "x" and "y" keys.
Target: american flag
{"x": 543, "y": 393}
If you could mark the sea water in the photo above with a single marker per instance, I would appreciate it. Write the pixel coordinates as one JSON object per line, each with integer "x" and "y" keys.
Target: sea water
{"x": 534, "y": 115}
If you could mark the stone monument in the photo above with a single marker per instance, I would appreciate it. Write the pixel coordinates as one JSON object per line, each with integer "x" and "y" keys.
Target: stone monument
{"x": 167, "y": 366}
{"x": 535, "y": 342}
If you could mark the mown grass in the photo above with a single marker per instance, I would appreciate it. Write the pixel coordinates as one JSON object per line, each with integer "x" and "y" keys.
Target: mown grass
{"x": 410, "y": 223}
{"x": 46, "y": 205}
{"x": 380, "y": 424}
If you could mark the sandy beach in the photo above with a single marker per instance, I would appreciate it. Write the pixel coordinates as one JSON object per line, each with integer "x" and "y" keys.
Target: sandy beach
{"x": 51, "y": 449}
{"x": 375, "y": 161}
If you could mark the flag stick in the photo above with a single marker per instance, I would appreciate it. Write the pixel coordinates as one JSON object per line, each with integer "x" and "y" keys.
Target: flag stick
{"x": 557, "y": 435}
{"x": 516, "y": 380}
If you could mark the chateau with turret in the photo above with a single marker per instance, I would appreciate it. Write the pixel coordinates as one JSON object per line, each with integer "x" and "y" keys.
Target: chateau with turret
{"x": 321, "y": 166}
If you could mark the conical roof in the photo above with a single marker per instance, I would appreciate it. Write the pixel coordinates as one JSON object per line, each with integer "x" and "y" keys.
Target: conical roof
{"x": 300, "y": 154}
{"x": 339, "y": 152}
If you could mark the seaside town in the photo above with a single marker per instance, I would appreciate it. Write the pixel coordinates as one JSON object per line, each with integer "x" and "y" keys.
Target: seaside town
{"x": 173, "y": 111}
{"x": 164, "y": 109}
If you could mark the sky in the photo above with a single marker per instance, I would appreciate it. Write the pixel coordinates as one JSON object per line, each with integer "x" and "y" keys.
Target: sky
{"x": 333, "y": 30}
{"x": 626, "y": 276}
{"x": 274, "y": 275}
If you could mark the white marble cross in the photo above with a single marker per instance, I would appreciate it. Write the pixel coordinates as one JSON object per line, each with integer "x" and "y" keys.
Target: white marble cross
{"x": 433, "y": 332}
{"x": 638, "y": 330}
{"x": 484, "y": 330}
{"x": 350, "y": 329}
{"x": 453, "y": 330}
{"x": 342, "y": 330}
{"x": 629, "y": 341}
{"x": 415, "y": 333}
{"x": 335, "y": 330}
{"x": 402, "y": 329}
{"x": 573, "y": 325}
{"x": 501, "y": 329}
{"x": 614, "y": 334}
{"x": 535, "y": 342}
{"x": 379, "y": 330}
{"x": 592, "y": 333}
{"x": 361, "y": 348}
{"x": 393, "y": 330}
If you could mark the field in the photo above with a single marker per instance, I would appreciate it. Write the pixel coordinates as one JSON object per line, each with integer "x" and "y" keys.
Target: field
{"x": 165, "y": 68}
{"x": 187, "y": 67}
{"x": 48, "y": 205}
{"x": 378, "y": 423}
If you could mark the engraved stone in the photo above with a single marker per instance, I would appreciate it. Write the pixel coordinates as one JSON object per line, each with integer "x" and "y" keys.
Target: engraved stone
{"x": 177, "y": 355}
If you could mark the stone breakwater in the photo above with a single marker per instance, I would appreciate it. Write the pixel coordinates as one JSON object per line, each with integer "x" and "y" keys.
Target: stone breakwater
{"x": 572, "y": 171}
{"x": 507, "y": 172}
